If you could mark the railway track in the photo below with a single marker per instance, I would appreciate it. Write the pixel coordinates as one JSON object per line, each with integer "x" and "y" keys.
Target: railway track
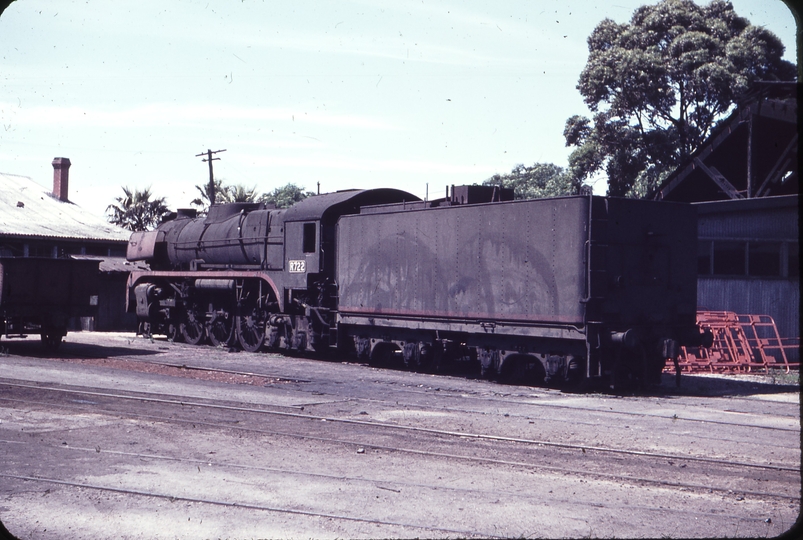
{"x": 665, "y": 467}
{"x": 395, "y": 486}
{"x": 241, "y": 506}
{"x": 135, "y": 429}
{"x": 254, "y": 377}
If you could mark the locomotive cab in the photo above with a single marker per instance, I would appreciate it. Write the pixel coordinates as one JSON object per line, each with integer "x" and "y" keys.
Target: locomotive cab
{"x": 302, "y": 251}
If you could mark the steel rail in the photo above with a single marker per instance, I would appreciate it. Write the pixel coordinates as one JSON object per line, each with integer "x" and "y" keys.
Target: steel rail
{"x": 485, "y": 399}
{"x": 607, "y": 476}
{"x": 398, "y": 427}
{"x": 246, "y": 506}
{"x": 314, "y": 356}
{"x": 412, "y": 390}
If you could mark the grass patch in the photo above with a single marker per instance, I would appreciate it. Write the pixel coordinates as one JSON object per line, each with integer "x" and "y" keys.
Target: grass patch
{"x": 780, "y": 376}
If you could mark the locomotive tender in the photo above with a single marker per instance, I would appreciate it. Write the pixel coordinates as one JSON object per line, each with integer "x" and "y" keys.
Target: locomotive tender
{"x": 563, "y": 289}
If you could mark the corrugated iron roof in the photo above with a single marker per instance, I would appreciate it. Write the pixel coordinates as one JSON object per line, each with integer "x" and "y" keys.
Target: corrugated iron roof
{"x": 28, "y": 209}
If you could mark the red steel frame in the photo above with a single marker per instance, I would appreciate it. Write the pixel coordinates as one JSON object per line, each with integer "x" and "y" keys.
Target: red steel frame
{"x": 742, "y": 344}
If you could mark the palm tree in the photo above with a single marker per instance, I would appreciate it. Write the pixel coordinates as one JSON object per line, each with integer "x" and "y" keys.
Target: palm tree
{"x": 136, "y": 211}
{"x": 224, "y": 194}
{"x": 238, "y": 193}
{"x": 203, "y": 201}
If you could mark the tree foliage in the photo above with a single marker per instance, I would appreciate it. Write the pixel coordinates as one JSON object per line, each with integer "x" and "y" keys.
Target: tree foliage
{"x": 658, "y": 85}
{"x": 202, "y": 202}
{"x": 281, "y": 197}
{"x": 286, "y": 196}
{"x": 537, "y": 181}
{"x": 224, "y": 193}
{"x": 136, "y": 211}
{"x": 239, "y": 193}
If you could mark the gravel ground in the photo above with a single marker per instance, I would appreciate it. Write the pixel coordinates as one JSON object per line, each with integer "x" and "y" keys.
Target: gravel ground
{"x": 123, "y": 437}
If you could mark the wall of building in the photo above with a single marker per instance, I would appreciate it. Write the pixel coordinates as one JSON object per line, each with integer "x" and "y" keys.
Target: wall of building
{"x": 111, "y": 304}
{"x": 778, "y": 299}
{"x": 748, "y": 259}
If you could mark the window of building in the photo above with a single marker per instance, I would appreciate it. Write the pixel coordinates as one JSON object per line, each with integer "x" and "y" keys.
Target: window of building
{"x": 97, "y": 251}
{"x": 729, "y": 258}
{"x": 309, "y": 238}
{"x": 764, "y": 259}
{"x": 12, "y": 249}
{"x": 42, "y": 250}
{"x": 755, "y": 258}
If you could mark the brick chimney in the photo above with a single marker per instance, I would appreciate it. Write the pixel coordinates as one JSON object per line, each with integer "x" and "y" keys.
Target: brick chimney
{"x": 61, "y": 178}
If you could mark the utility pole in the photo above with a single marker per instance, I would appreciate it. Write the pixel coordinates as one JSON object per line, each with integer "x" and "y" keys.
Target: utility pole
{"x": 210, "y": 190}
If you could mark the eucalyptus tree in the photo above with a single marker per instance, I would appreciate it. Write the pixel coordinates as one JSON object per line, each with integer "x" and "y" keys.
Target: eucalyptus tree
{"x": 659, "y": 84}
{"x": 536, "y": 181}
{"x": 286, "y": 196}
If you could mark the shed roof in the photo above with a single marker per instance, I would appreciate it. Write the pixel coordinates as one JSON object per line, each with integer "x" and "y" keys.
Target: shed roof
{"x": 752, "y": 153}
{"x": 28, "y": 209}
{"x": 745, "y": 205}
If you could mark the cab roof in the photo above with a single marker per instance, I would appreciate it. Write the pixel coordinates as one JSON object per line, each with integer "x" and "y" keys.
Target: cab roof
{"x": 331, "y": 206}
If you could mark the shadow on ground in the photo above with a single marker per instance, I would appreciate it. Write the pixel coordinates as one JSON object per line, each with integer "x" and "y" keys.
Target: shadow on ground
{"x": 36, "y": 349}
{"x": 731, "y": 385}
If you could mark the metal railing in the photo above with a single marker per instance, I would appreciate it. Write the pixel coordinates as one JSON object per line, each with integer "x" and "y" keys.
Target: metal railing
{"x": 742, "y": 344}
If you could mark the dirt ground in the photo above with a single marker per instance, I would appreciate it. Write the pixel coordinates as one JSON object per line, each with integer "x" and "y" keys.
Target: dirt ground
{"x": 123, "y": 437}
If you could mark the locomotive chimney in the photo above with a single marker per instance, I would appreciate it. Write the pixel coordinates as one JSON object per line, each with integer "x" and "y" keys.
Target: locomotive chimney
{"x": 61, "y": 177}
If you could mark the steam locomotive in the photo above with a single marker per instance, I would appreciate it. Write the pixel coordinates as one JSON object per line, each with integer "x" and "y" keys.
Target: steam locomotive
{"x": 538, "y": 291}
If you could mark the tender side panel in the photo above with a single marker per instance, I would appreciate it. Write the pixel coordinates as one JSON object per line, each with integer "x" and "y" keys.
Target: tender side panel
{"x": 519, "y": 262}
{"x": 41, "y": 286}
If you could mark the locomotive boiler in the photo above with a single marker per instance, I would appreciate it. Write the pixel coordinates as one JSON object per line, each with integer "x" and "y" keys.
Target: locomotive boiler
{"x": 548, "y": 290}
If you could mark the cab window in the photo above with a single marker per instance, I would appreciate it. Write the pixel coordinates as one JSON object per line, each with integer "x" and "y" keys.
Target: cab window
{"x": 309, "y": 238}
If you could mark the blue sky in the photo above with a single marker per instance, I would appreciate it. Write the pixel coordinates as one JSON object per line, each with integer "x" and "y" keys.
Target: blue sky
{"x": 352, "y": 94}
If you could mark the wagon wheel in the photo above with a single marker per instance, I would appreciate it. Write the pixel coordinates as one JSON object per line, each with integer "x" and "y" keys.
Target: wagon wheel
{"x": 251, "y": 331}
{"x": 51, "y": 337}
{"x": 191, "y": 328}
{"x": 220, "y": 329}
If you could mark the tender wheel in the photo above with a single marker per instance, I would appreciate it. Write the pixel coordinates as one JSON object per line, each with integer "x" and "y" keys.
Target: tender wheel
{"x": 220, "y": 330}
{"x": 192, "y": 330}
{"x": 250, "y": 332}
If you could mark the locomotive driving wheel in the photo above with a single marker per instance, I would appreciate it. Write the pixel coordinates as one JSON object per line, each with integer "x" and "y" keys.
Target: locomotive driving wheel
{"x": 191, "y": 328}
{"x": 173, "y": 334}
{"x": 220, "y": 329}
{"x": 254, "y": 303}
{"x": 251, "y": 330}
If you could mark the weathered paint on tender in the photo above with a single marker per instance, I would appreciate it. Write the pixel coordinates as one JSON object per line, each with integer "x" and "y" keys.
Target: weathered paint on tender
{"x": 501, "y": 261}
